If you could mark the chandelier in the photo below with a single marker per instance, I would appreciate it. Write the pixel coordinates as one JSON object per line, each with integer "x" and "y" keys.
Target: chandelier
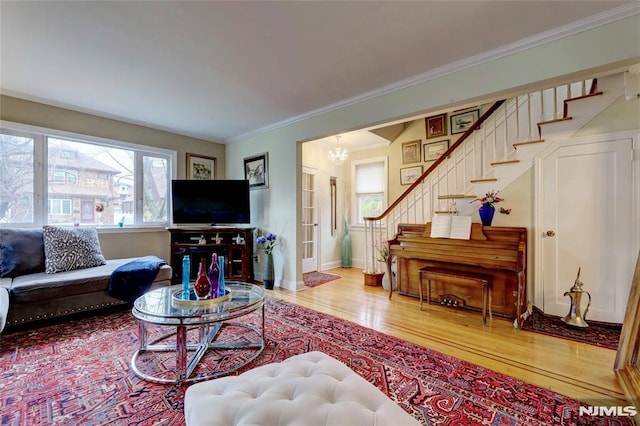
{"x": 338, "y": 154}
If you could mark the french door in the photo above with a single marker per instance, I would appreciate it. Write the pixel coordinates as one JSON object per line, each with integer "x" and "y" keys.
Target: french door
{"x": 309, "y": 221}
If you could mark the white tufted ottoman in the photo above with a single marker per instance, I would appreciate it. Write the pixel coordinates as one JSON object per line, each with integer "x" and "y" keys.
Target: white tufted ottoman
{"x": 306, "y": 390}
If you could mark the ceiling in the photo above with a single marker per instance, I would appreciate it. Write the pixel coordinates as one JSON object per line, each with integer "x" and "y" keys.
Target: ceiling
{"x": 220, "y": 70}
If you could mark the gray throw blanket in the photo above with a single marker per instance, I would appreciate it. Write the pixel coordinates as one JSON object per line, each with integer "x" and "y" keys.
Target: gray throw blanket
{"x": 133, "y": 279}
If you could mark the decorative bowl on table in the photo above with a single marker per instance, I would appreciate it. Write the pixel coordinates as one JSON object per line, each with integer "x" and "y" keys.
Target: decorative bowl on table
{"x": 178, "y": 300}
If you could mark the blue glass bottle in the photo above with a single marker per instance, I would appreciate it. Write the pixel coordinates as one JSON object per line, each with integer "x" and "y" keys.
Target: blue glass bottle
{"x": 186, "y": 276}
{"x": 221, "y": 288}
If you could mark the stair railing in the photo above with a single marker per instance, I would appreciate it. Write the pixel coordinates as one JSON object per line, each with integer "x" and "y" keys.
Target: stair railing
{"x": 487, "y": 142}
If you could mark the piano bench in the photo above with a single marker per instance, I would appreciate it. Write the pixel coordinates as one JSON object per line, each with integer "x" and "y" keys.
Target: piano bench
{"x": 452, "y": 276}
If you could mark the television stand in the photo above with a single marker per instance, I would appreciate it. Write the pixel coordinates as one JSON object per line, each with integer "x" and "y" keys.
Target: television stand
{"x": 233, "y": 242}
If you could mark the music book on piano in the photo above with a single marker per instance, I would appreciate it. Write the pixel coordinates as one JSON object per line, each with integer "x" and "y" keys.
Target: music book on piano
{"x": 451, "y": 226}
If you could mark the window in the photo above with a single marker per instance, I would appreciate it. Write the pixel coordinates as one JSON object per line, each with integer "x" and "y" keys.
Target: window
{"x": 16, "y": 178}
{"x": 370, "y": 188}
{"x": 81, "y": 180}
{"x": 59, "y": 207}
{"x": 65, "y": 176}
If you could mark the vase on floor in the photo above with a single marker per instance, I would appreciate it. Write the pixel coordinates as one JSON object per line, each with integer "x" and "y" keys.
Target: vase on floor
{"x": 268, "y": 275}
{"x": 345, "y": 247}
{"x": 486, "y": 214}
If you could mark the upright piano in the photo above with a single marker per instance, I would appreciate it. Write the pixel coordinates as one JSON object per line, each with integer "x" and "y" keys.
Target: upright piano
{"x": 495, "y": 250}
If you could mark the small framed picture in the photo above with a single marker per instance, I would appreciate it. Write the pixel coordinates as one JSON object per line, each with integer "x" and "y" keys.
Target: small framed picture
{"x": 256, "y": 171}
{"x": 433, "y": 150}
{"x": 436, "y": 126}
{"x": 408, "y": 175}
{"x": 200, "y": 167}
{"x": 460, "y": 123}
{"x": 411, "y": 152}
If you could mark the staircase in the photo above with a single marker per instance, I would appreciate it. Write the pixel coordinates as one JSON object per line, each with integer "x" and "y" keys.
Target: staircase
{"x": 499, "y": 148}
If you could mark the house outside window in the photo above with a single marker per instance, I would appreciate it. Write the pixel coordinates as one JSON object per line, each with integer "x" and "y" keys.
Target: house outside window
{"x": 73, "y": 179}
{"x": 370, "y": 188}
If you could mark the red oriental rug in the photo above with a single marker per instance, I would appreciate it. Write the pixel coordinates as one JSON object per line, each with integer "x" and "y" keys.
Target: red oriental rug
{"x": 78, "y": 373}
{"x": 313, "y": 279}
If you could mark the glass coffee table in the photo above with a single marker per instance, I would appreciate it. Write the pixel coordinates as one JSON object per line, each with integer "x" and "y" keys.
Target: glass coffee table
{"x": 199, "y": 330}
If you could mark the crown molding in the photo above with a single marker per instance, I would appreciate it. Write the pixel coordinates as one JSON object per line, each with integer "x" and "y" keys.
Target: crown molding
{"x": 559, "y": 33}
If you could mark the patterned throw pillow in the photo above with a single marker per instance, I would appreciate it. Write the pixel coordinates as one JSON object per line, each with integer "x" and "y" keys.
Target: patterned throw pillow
{"x": 66, "y": 249}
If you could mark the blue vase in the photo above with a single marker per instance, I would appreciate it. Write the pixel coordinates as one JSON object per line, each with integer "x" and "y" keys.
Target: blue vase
{"x": 486, "y": 214}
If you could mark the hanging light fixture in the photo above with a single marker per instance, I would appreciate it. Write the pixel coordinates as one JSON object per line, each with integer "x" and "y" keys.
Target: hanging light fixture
{"x": 338, "y": 154}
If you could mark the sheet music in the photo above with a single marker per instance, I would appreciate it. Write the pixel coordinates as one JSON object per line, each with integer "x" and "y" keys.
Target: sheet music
{"x": 460, "y": 227}
{"x": 451, "y": 226}
{"x": 441, "y": 226}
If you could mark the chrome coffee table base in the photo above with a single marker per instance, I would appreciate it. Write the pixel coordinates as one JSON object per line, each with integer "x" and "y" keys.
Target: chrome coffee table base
{"x": 185, "y": 365}
{"x": 215, "y": 337}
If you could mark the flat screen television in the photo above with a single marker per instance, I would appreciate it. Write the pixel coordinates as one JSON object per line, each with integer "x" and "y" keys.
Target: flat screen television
{"x": 210, "y": 202}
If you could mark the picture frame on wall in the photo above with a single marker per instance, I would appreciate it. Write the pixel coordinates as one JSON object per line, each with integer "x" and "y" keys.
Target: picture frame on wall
{"x": 256, "y": 171}
{"x": 436, "y": 126}
{"x": 461, "y": 122}
{"x": 432, "y": 151}
{"x": 200, "y": 167}
{"x": 408, "y": 175}
{"x": 411, "y": 152}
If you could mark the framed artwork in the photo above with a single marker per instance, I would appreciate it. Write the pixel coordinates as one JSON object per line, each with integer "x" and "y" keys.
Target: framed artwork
{"x": 411, "y": 152}
{"x": 460, "y": 123}
{"x": 200, "y": 167}
{"x": 433, "y": 150}
{"x": 408, "y": 175}
{"x": 256, "y": 171}
{"x": 436, "y": 126}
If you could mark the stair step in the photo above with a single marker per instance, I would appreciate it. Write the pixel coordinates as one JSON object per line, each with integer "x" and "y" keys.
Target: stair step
{"x": 588, "y": 95}
{"x": 517, "y": 144}
{"x": 483, "y": 180}
{"x": 555, "y": 120}
{"x": 446, "y": 211}
{"x": 498, "y": 163}
{"x": 454, "y": 196}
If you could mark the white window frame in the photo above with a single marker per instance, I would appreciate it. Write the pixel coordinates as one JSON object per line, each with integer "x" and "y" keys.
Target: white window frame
{"x": 40, "y": 135}
{"x": 355, "y": 220}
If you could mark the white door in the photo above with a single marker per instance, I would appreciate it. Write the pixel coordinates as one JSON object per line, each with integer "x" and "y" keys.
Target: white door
{"x": 586, "y": 222}
{"x": 309, "y": 221}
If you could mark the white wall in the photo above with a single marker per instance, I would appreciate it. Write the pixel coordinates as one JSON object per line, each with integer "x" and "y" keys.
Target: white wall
{"x": 579, "y": 55}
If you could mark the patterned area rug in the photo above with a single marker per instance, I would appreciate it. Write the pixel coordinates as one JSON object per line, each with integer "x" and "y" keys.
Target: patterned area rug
{"x": 598, "y": 334}
{"x": 78, "y": 373}
{"x": 312, "y": 279}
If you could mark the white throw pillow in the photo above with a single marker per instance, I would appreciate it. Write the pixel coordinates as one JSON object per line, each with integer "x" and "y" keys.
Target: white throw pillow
{"x": 67, "y": 249}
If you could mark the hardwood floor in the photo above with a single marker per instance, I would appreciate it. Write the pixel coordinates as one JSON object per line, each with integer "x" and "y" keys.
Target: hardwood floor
{"x": 578, "y": 370}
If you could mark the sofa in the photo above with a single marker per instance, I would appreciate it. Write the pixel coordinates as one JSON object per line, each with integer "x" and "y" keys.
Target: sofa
{"x": 53, "y": 272}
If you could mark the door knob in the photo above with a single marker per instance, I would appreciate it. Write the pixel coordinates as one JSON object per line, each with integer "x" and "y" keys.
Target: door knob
{"x": 551, "y": 233}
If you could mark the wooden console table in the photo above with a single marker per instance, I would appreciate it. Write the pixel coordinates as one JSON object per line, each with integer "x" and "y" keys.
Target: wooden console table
{"x": 234, "y": 243}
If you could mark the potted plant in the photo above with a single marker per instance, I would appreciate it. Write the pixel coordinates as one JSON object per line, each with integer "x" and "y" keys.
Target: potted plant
{"x": 487, "y": 208}
{"x": 375, "y": 278}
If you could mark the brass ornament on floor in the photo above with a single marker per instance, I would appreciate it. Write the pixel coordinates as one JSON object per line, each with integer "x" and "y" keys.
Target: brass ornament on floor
{"x": 575, "y": 317}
